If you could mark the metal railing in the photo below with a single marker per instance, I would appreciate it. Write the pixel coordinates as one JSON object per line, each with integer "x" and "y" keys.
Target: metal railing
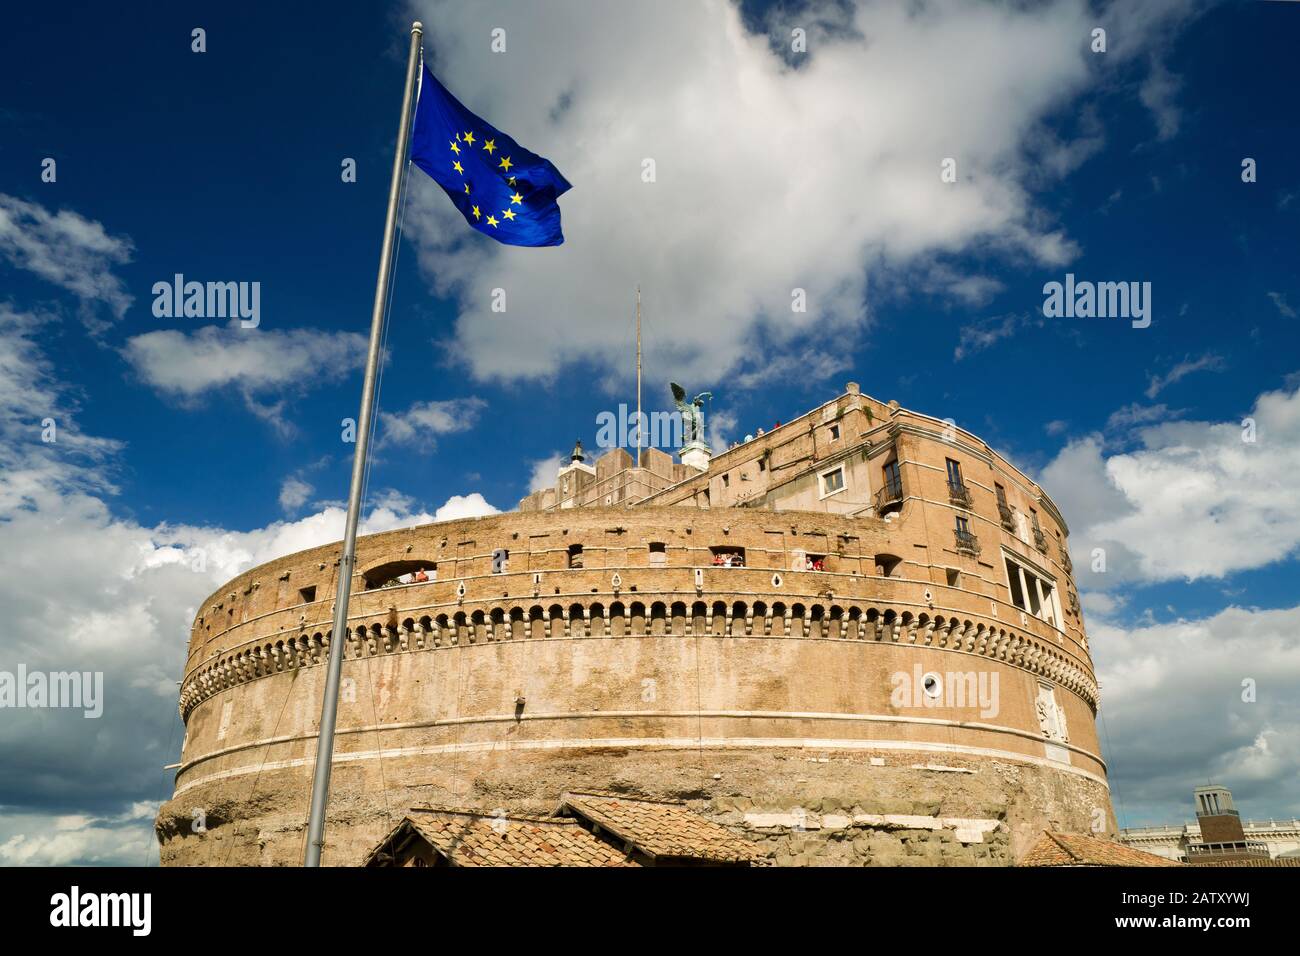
{"x": 891, "y": 494}
{"x": 967, "y": 543}
{"x": 1008, "y": 519}
{"x": 1040, "y": 540}
{"x": 959, "y": 494}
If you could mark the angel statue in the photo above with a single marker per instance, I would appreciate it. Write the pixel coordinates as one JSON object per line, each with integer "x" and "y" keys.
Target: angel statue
{"x": 692, "y": 413}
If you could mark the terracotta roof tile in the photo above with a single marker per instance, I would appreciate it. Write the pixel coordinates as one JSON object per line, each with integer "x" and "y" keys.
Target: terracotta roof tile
{"x": 1077, "y": 849}
{"x": 663, "y": 829}
{"x": 476, "y": 838}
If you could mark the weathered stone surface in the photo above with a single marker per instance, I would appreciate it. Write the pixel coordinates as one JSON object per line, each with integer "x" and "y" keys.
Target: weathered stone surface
{"x": 600, "y": 647}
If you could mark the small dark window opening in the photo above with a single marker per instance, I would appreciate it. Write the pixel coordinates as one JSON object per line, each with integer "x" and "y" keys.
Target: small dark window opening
{"x": 307, "y": 595}
{"x": 575, "y": 555}
{"x": 887, "y": 564}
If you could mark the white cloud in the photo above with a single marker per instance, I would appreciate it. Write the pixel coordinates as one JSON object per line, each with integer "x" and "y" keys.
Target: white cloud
{"x": 294, "y": 493}
{"x": 188, "y": 364}
{"x": 67, "y": 250}
{"x": 1191, "y": 500}
{"x": 1158, "y": 94}
{"x": 544, "y": 471}
{"x": 420, "y": 424}
{"x": 985, "y": 333}
{"x": 1279, "y": 300}
{"x": 1172, "y": 703}
{"x": 1206, "y": 363}
{"x": 464, "y": 506}
{"x": 86, "y": 590}
{"x": 1135, "y": 413}
{"x": 770, "y": 177}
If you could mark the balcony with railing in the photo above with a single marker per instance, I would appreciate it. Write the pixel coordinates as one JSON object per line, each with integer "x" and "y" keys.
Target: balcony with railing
{"x": 959, "y": 494}
{"x": 890, "y": 496}
{"x": 1066, "y": 564}
{"x": 1008, "y": 518}
{"x": 967, "y": 543}
{"x": 1040, "y": 540}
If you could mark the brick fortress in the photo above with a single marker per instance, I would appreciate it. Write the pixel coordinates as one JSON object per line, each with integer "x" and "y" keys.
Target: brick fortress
{"x": 854, "y": 638}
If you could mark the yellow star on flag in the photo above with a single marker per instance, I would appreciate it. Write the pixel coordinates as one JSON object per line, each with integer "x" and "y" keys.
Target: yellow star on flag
{"x": 489, "y": 145}
{"x": 506, "y": 164}
{"x": 511, "y": 180}
{"x": 467, "y": 189}
{"x": 491, "y": 221}
{"x": 516, "y": 198}
{"x": 508, "y": 213}
{"x": 458, "y": 167}
{"x": 469, "y": 138}
{"x": 454, "y": 148}
{"x": 477, "y": 215}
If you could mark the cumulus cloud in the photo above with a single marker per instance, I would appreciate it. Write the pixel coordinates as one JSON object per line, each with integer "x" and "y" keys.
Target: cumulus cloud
{"x": 188, "y": 364}
{"x": 543, "y": 472}
{"x": 1189, "y": 500}
{"x": 259, "y": 365}
{"x": 420, "y": 424}
{"x": 86, "y": 590}
{"x": 772, "y": 173}
{"x": 294, "y": 493}
{"x": 464, "y": 506}
{"x": 67, "y": 250}
{"x": 1172, "y": 701}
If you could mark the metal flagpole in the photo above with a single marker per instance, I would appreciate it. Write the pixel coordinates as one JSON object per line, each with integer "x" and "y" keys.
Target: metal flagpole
{"x": 320, "y": 787}
{"x": 638, "y": 378}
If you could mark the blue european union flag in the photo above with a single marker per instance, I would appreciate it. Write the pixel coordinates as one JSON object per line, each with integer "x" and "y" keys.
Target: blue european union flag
{"x": 501, "y": 189}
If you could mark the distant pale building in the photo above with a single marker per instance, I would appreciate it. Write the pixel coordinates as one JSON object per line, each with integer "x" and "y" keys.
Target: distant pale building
{"x": 1218, "y": 834}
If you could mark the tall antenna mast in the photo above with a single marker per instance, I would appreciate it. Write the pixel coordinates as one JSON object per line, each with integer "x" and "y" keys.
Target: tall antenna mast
{"x": 637, "y": 464}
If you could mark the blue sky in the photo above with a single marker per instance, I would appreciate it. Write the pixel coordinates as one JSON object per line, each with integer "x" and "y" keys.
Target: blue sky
{"x": 185, "y": 435}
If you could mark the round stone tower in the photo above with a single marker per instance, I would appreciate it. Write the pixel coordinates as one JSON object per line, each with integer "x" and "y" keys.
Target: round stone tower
{"x": 853, "y": 639}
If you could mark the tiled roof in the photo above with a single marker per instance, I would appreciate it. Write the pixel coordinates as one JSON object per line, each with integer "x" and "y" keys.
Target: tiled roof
{"x": 661, "y": 829}
{"x": 477, "y": 838}
{"x": 1256, "y": 861}
{"x": 1076, "y": 849}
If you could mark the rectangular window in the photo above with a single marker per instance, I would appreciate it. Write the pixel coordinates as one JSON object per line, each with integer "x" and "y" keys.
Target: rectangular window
{"x": 575, "y": 555}
{"x": 954, "y": 577}
{"x": 728, "y": 557}
{"x": 832, "y": 481}
{"x": 658, "y": 554}
{"x": 954, "y": 472}
{"x": 307, "y": 595}
{"x": 963, "y": 526}
{"x": 1002, "y": 495}
{"x": 835, "y": 433}
{"x": 726, "y": 481}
